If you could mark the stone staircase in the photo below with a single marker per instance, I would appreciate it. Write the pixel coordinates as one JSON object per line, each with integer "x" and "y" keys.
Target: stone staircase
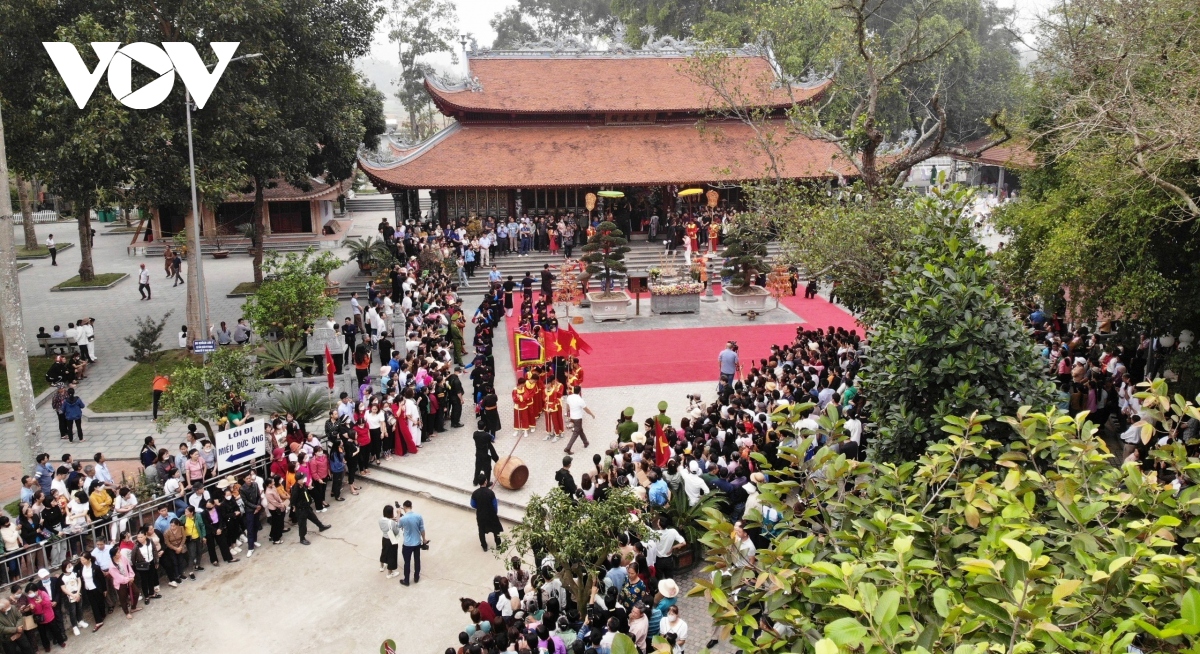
{"x": 392, "y": 477}
{"x": 380, "y": 202}
{"x": 237, "y": 245}
{"x": 642, "y": 255}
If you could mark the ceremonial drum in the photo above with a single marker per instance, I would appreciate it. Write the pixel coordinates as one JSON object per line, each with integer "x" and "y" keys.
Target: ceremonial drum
{"x": 511, "y": 473}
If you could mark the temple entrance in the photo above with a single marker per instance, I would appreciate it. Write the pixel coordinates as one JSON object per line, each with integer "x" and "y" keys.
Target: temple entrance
{"x": 290, "y": 217}
{"x": 171, "y": 219}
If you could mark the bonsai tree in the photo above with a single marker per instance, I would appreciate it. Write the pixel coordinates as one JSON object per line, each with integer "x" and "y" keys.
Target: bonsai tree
{"x": 745, "y": 251}
{"x": 145, "y": 341}
{"x": 200, "y": 393}
{"x": 292, "y": 294}
{"x": 605, "y": 254}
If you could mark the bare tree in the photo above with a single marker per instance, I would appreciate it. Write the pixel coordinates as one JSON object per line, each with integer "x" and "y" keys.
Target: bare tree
{"x": 878, "y": 52}
{"x": 1122, "y": 78}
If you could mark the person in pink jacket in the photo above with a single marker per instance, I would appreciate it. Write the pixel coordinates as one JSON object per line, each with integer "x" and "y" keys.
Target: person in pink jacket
{"x": 123, "y": 581}
{"x": 43, "y": 614}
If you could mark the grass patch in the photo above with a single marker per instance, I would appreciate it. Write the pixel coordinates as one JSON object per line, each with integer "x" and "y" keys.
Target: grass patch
{"x": 245, "y": 288}
{"x": 132, "y": 391}
{"x": 37, "y": 373}
{"x": 41, "y": 251}
{"x": 101, "y": 279}
{"x": 13, "y": 508}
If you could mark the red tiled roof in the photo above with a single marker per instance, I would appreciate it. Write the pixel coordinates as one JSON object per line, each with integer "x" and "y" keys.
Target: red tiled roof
{"x": 1010, "y": 154}
{"x": 523, "y": 85}
{"x": 281, "y": 191}
{"x": 488, "y": 156}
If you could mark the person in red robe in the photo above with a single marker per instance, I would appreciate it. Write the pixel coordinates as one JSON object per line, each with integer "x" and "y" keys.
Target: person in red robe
{"x": 523, "y": 416}
{"x": 693, "y": 234}
{"x": 405, "y": 444}
{"x": 575, "y": 375}
{"x": 554, "y": 410}
{"x": 714, "y": 235}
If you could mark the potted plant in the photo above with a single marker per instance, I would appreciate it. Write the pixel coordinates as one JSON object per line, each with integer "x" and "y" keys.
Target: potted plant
{"x": 687, "y": 521}
{"x": 361, "y": 250}
{"x": 220, "y": 252}
{"x": 745, "y": 249}
{"x": 179, "y": 242}
{"x": 248, "y": 231}
{"x": 605, "y": 254}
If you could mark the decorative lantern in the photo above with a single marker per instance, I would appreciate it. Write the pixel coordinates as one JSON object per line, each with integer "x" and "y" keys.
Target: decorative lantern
{"x": 713, "y": 198}
{"x": 1166, "y": 340}
{"x": 589, "y": 201}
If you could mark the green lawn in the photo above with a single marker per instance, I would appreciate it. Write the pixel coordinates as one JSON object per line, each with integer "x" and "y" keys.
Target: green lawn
{"x": 101, "y": 279}
{"x": 245, "y": 288}
{"x": 132, "y": 391}
{"x": 37, "y": 372}
{"x": 41, "y": 251}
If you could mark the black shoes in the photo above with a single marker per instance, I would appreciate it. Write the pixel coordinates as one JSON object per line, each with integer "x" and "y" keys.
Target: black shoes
{"x": 305, "y": 542}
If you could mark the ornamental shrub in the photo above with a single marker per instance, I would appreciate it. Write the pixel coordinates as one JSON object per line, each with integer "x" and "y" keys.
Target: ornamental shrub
{"x": 945, "y": 342}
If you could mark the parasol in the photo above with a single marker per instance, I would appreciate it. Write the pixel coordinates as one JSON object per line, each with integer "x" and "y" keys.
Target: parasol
{"x": 611, "y": 194}
{"x": 690, "y": 191}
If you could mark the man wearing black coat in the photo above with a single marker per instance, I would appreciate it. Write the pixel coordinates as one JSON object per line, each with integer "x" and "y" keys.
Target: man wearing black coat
{"x": 484, "y": 501}
{"x": 455, "y": 398}
{"x": 485, "y": 452}
{"x": 303, "y": 507}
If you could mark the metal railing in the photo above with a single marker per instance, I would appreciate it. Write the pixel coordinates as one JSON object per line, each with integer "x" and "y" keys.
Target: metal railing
{"x": 21, "y": 566}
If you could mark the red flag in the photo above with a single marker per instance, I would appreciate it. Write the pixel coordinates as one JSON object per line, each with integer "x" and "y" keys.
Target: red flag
{"x": 577, "y": 341}
{"x": 563, "y": 346}
{"x": 329, "y": 367}
{"x": 662, "y": 453}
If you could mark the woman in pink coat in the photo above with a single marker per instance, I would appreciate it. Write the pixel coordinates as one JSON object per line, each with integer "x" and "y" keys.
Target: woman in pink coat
{"x": 123, "y": 581}
{"x": 42, "y": 608}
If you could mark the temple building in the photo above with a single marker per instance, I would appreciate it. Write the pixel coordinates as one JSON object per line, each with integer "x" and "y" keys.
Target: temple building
{"x": 536, "y": 130}
{"x": 302, "y": 212}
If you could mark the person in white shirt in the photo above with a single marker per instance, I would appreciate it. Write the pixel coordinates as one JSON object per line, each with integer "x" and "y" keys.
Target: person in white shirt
{"x": 672, "y": 623}
{"x": 669, "y": 541}
{"x": 356, "y": 309}
{"x": 576, "y": 407}
{"x": 144, "y": 282}
{"x": 693, "y": 486}
{"x": 53, "y": 248}
{"x": 101, "y": 470}
{"x": 87, "y": 338}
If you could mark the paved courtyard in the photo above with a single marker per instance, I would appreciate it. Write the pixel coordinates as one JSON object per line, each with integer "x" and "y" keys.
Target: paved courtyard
{"x": 446, "y": 461}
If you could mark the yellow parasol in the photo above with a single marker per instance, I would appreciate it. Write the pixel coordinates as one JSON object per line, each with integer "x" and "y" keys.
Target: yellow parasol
{"x": 690, "y": 191}
{"x": 611, "y": 194}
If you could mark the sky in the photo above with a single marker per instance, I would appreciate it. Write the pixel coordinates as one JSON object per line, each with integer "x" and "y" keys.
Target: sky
{"x": 473, "y": 16}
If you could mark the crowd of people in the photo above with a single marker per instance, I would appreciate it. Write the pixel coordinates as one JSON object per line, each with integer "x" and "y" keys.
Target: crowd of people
{"x": 709, "y": 451}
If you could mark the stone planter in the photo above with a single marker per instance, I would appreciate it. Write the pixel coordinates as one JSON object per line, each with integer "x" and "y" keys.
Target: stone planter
{"x": 220, "y": 254}
{"x": 616, "y": 308}
{"x": 689, "y": 303}
{"x": 741, "y": 304}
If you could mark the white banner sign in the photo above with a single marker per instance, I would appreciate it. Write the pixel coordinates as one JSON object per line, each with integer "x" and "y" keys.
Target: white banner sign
{"x": 240, "y": 444}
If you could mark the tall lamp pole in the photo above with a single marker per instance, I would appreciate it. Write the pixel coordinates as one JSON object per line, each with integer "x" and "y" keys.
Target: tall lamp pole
{"x": 201, "y": 291}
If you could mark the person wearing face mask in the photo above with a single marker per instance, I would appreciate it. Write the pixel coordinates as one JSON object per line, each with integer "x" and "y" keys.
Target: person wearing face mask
{"x": 42, "y": 607}
{"x": 72, "y": 590}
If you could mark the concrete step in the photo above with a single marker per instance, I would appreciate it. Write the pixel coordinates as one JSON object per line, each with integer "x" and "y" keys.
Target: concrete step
{"x": 381, "y": 202}
{"x": 436, "y": 490}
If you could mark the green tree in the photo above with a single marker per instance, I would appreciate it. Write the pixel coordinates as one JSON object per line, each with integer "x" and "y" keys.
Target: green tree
{"x": 605, "y": 253}
{"x": 1119, "y": 79}
{"x": 420, "y": 28}
{"x": 511, "y": 29}
{"x": 850, "y": 237}
{"x": 1038, "y": 545}
{"x": 945, "y": 341}
{"x": 144, "y": 341}
{"x": 292, "y": 295}
{"x": 579, "y": 535}
{"x": 678, "y": 18}
{"x": 531, "y": 20}
{"x": 745, "y": 251}
{"x": 200, "y": 393}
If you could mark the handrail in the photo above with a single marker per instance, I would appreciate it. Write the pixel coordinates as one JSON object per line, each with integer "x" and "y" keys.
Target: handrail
{"x": 50, "y": 554}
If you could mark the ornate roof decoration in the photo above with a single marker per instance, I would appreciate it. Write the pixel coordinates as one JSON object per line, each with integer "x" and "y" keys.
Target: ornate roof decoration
{"x": 398, "y": 152}
{"x": 454, "y": 85}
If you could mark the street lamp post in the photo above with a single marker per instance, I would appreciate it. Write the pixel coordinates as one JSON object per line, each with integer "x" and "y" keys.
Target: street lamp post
{"x": 201, "y": 292}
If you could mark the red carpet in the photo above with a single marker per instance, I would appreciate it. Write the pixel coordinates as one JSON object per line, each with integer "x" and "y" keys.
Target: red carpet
{"x": 667, "y": 356}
